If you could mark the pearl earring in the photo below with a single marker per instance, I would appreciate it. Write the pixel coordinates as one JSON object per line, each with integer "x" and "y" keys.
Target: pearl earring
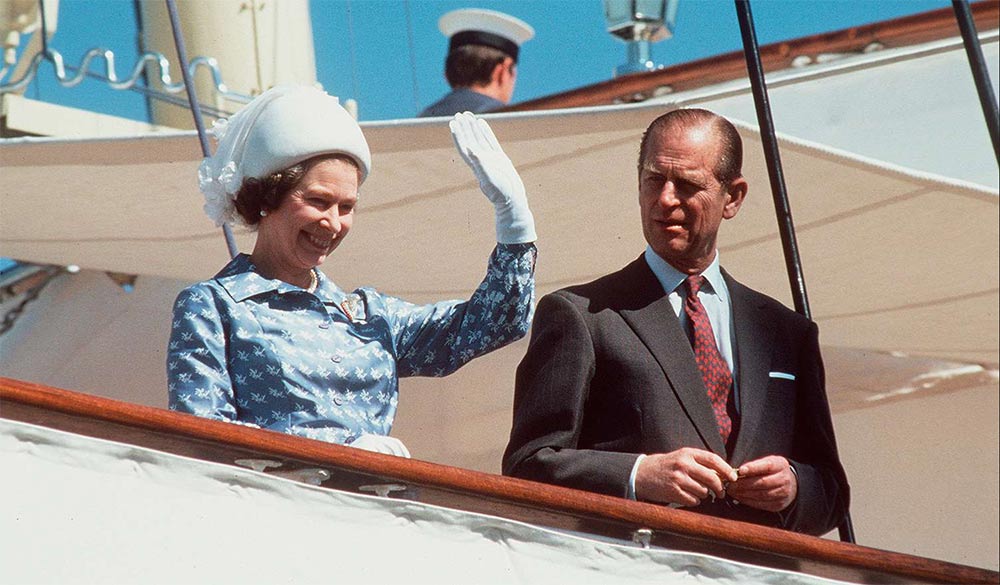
{"x": 263, "y": 213}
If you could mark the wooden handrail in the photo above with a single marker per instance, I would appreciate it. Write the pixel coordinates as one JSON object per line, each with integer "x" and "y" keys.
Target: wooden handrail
{"x": 917, "y": 28}
{"x": 470, "y": 490}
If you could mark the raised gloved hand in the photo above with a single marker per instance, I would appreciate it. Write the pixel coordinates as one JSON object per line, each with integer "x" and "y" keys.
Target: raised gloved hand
{"x": 382, "y": 444}
{"x": 498, "y": 179}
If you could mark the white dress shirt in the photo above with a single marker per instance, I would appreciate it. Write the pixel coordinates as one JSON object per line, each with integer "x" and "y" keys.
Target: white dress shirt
{"x": 714, "y": 297}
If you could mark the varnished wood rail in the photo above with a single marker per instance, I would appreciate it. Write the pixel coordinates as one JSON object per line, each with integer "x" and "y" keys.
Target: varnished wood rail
{"x": 539, "y": 504}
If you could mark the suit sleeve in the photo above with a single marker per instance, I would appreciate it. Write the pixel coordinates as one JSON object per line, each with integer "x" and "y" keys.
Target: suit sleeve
{"x": 552, "y": 386}
{"x": 823, "y": 492}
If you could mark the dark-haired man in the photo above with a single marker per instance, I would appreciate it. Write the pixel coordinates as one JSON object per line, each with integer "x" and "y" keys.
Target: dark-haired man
{"x": 481, "y": 66}
{"x": 669, "y": 381}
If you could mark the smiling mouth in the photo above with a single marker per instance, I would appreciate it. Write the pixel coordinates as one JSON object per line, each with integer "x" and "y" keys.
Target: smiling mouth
{"x": 321, "y": 243}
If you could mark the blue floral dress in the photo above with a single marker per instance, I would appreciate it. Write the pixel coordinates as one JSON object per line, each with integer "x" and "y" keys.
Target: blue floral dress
{"x": 326, "y": 365}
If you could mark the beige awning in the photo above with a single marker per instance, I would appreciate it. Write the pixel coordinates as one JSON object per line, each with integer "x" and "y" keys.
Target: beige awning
{"x": 894, "y": 260}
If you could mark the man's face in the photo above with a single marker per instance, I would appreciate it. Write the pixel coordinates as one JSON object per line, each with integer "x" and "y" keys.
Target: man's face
{"x": 681, "y": 202}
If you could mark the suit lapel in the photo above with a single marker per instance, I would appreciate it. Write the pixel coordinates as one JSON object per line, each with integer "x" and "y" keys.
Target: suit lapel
{"x": 754, "y": 347}
{"x": 656, "y": 325}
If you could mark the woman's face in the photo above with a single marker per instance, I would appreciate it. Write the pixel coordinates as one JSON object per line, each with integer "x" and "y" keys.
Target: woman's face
{"x": 312, "y": 219}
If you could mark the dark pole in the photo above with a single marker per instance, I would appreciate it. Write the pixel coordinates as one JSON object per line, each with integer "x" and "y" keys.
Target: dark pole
{"x": 974, "y": 50}
{"x": 793, "y": 264}
{"x": 782, "y": 209}
{"x": 195, "y": 109}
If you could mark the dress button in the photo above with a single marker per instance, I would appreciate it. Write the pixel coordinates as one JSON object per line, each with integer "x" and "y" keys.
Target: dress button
{"x": 336, "y": 358}
{"x": 338, "y": 400}
{"x": 324, "y": 325}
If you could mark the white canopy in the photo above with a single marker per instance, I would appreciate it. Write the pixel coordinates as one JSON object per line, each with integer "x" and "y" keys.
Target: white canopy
{"x": 135, "y": 515}
{"x": 894, "y": 260}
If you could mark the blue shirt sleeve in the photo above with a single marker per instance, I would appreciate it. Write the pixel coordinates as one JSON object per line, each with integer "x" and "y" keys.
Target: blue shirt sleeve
{"x": 437, "y": 339}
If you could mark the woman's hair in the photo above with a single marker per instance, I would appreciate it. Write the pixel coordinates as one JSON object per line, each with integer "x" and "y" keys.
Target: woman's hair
{"x": 267, "y": 193}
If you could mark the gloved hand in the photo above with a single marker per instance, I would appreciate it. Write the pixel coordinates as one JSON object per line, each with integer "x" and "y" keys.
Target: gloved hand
{"x": 498, "y": 179}
{"x": 381, "y": 444}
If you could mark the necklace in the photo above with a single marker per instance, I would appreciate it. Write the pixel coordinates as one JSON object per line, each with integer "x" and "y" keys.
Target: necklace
{"x": 313, "y": 281}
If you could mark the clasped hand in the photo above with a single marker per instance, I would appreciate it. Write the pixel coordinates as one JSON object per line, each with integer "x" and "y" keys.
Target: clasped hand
{"x": 687, "y": 476}
{"x": 767, "y": 484}
{"x": 498, "y": 179}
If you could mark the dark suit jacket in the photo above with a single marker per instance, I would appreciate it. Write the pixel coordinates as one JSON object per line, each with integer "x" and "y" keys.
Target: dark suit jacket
{"x": 610, "y": 373}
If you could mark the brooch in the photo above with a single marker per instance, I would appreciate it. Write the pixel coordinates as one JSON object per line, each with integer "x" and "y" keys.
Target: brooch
{"x": 353, "y": 308}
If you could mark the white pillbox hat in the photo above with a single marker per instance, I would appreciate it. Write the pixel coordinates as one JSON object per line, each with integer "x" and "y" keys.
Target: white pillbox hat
{"x": 283, "y": 126}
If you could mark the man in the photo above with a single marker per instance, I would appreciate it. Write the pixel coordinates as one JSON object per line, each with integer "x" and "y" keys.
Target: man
{"x": 481, "y": 66}
{"x": 669, "y": 381}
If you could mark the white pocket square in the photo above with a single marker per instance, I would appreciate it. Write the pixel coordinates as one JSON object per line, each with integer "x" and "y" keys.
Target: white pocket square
{"x": 782, "y": 375}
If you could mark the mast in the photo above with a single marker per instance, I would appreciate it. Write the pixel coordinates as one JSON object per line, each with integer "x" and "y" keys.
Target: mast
{"x": 257, "y": 45}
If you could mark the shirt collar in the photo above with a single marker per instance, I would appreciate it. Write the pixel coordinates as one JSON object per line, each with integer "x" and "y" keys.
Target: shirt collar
{"x": 670, "y": 278}
{"x": 242, "y": 281}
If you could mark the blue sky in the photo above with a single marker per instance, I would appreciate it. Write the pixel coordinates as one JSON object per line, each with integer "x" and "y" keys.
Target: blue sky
{"x": 363, "y": 51}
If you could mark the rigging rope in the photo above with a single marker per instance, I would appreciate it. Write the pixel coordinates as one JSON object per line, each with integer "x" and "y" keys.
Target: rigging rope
{"x": 111, "y": 73}
{"x": 256, "y": 46}
{"x": 159, "y": 60}
{"x": 175, "y": 25}
{"x": 350, "y": 35}
{"x": 413, "y": 61}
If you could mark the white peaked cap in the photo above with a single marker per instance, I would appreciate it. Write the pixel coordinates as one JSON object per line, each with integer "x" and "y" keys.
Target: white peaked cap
{"x": 283, "y": 126}
{"x": 485, "y": 27}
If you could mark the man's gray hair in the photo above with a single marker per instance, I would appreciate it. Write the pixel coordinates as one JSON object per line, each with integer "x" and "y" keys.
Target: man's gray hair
{"x": 730, "y": 163}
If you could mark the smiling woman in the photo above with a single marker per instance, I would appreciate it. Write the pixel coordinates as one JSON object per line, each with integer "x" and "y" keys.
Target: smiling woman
{"x": 270, "y": 341}
{"x": 298, "y": 233}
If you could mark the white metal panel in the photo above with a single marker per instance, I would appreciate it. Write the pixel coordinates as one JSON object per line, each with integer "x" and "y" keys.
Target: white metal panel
{"x": 916, "y": 106}
{"x": 81, "y": 510}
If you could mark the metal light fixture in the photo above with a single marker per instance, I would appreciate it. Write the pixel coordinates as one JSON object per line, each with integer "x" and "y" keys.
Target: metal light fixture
{"x": 640, "y": 23}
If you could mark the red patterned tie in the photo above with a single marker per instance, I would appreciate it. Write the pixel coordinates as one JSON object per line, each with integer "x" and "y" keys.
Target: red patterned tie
{"x": 714, "y": 371}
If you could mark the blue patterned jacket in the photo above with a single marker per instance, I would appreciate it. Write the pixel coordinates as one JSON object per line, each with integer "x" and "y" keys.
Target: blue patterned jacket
{"x": 326, "y": 365}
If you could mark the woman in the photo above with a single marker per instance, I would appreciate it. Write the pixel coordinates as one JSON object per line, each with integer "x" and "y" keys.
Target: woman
{"x": 270, "y": 341}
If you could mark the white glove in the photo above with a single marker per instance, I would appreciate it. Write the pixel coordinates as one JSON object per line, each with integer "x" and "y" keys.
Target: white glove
{"x": 382, "y": 444}
{"x": 498, "y": 179}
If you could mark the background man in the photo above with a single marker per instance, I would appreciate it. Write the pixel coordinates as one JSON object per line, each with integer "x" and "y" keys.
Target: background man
{"x": 481, "y": 66}
{"x": 669, "y": 381}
